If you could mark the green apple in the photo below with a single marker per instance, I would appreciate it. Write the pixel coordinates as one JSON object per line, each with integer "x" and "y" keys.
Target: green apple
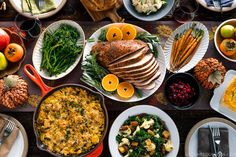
{"x": 3, "y": 61}
{"x": 227, "y": 31}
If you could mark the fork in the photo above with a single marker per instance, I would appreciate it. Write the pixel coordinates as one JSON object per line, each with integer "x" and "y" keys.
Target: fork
{"x": 216, "y": 3}
{"x": 40, "y": 4}
{"x": 7, "y": 131}
{"x": 216, "y": 136}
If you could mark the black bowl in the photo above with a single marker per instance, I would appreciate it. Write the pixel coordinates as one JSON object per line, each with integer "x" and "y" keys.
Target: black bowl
{"x": 186, "y": 78}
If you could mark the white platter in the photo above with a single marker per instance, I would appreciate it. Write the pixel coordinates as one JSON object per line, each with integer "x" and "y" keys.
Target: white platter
{"x": 37, "y": 55}
{"x": 224, "y": 9}
{"x": 17, "y": 6}
{"x": 160, "y": 59}
{"x": 191, "y": 142}
{"x": 215, "y": 102}
{"x": 20, "y": 147}
{"x": 200, "y": 52}
{"x": 174, "y": 134}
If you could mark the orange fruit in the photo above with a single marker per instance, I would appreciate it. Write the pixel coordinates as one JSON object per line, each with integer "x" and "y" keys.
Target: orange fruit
{"x": 129, "y": 32}
{"x": 110, "y": 82}
{"x": 114, "y": 33}
{"x": 125, "y": 90}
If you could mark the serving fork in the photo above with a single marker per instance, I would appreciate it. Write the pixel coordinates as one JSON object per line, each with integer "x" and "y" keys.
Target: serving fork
{"x": 7, "y": 131}
{"x": 217, "y": 140}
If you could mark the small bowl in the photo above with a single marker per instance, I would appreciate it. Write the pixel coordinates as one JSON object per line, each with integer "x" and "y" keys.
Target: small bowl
{"x": 185, "y": 77}
{"x": 13, "y": 67}
{"x": 163, "y": 11}
{"x": 218, "y": 39}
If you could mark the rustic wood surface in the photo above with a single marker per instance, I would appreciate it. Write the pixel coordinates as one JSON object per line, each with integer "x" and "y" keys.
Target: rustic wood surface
{"x": 74, "y": 10}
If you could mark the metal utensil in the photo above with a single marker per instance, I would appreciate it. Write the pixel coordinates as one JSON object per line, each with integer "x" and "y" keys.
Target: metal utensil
{"x": 40, "y": 4}
{"x": 217, "y": 140}
{"x": 7, "y": 131}
{"x": 221, "y": 7}
{"x": 216, "y": 4}
{"x": 212, "y": 142}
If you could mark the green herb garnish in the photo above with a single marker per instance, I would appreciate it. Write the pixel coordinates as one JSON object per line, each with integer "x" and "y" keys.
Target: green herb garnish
{"x": 152, "y": 40}
{"x": 94, "y": 71}
{"x": 102, "y": 36}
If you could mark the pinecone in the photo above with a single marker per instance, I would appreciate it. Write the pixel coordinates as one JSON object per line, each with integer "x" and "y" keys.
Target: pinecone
{"x": 13, "y": 91}
{"x": 210, "y": 73}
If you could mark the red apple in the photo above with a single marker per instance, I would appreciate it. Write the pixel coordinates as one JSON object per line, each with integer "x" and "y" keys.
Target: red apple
{"x": 4, "y": 39}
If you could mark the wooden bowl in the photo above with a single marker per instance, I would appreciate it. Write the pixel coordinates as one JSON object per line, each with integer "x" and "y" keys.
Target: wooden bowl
{"x": 218, "y": 39}
{"x": 13, "y": 67}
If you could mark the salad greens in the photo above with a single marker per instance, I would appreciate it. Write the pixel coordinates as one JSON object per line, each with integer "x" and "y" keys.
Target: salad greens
{"x": 60, "y": 49}
{"x": 143, "y": 135}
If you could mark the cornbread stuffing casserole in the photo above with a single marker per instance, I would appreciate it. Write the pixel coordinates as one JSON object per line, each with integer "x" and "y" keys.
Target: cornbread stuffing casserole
{"x": 70, "y": 121}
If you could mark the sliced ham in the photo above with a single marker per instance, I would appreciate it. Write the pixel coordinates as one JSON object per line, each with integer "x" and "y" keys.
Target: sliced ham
{"x": 137, "y": 71}
{"x": 146, "y": 59}
{"x": 109, "y": 52}
{"x": 153, "y": 68}
{"x": 147, "y": 80}
{"x": 130, "y": 59}
{"x": 148, "y": 75}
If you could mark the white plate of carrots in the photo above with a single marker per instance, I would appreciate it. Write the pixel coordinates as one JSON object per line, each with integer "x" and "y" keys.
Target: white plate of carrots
{"x": 186, "y": 47}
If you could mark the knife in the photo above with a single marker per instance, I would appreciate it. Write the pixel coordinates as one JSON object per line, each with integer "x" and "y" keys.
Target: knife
{"x": 212, "y": 142}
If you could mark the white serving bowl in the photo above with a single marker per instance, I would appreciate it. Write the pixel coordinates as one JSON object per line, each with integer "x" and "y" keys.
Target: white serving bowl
{"x": 136, "y": 110}
{"x": 218, "y": 39}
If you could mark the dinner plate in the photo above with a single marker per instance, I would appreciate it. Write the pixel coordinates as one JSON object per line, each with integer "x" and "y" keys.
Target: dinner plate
{"x": 215, "y": 102}
{"x": 20, "y": 147}
{"x": 37, "y": 55}
{"x": 200, "y": 52}
{"x": 224, "y": 9}
{"x": 174, "y": 134}
{"x": 145, "y": 93}
{"x": 17, "y": 6}
{"x": 191, "y": 142}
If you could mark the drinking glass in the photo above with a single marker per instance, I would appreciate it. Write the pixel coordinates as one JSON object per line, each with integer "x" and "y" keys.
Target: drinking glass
{"x": 28, "y": 28}
{"x": 185, "y": 10}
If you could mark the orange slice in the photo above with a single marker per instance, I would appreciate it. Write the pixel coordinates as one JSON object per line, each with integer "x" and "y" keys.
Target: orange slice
{"x": 114, "y": 33}
{"x": 125, "y": 90}
{"x": 110, "y": 82}
{"x": 129, "y": 32}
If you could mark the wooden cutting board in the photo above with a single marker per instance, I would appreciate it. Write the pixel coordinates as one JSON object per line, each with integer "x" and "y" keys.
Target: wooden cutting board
{"x": 111, "y": 13}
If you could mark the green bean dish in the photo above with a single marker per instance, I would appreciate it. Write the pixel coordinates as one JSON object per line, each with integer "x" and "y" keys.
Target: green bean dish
{"x": 144, "y": 135}
{"x": 60, "y": 49}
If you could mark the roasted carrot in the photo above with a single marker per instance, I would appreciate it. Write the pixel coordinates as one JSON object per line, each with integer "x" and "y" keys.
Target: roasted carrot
{"x": 192, "y": 49}
{"x": 188, "y": 59}
{"x": 173, "y": 53}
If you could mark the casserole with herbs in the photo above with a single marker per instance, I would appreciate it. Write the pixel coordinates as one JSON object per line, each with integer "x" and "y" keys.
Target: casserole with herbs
{"x": 70, "y": 121}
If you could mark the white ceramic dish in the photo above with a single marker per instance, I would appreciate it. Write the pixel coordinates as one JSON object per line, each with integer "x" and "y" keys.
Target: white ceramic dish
{"x": 218, "y": 93}
{"x": 191, "y": 142}
{"x": 200, "y": 52}
{"x": 218, "y": 38}
{"x": 20, "y": 147}
{"x": 146, "y": 93}
{"x": 174, "y": 134}
{"x": 17, "y": 6}
{"x": 37, "y": 56}
{"x": 224, "y": 9}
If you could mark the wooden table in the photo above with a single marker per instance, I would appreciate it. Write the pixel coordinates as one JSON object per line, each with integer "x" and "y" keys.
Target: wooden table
{"x": 74, "y": 10}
